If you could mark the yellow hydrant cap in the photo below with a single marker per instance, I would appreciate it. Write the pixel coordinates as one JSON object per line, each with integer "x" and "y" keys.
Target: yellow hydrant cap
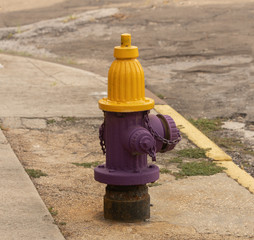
{"x": 125, "y": 51}
{"x": 126, "y": 82}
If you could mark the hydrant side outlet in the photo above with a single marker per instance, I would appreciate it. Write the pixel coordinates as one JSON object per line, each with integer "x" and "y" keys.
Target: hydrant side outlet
{"x": 128, "y": 134}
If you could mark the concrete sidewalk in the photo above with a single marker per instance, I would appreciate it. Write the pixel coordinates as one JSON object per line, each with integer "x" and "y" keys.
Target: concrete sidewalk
{"x": 32, "y": 89}
{"x": 23, "y": 213}
{"x": 36, "y": 89}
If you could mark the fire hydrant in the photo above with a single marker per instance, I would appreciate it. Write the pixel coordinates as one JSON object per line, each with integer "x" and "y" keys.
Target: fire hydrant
{"x": 127, "y": 135}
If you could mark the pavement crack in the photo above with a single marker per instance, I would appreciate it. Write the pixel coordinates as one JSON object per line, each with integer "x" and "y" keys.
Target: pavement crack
{"x": 46, "y": 74}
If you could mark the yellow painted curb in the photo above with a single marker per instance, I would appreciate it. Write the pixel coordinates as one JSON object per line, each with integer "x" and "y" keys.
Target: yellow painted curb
{"x": 238, "y": 174}
{"x": 193, "y": 134}
{"x": 199, "y": 139}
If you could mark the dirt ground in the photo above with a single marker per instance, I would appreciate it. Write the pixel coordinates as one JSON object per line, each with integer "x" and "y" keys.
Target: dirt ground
{"x": 74, "y": 199}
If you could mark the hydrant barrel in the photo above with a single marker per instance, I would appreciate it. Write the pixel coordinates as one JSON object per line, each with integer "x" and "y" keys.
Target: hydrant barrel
{"x": 126, "y": 164}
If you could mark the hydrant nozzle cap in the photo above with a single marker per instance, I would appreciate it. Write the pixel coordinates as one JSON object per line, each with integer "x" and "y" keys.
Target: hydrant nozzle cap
{"x": 125, "y": 51}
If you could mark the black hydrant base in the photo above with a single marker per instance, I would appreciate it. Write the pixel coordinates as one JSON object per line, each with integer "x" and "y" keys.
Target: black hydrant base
{"x": 127, "y": 203}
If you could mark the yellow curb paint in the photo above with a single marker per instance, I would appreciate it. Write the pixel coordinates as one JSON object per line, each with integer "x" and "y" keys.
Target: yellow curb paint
{"x": 193, "y": 134}
{"x": 199, "y": 139}
{"x": 238, "y": 174}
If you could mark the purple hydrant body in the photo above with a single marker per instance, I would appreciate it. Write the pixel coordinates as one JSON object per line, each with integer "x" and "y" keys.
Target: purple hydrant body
{"x": 128, "y": 135}
{"x": 127, "y": 139}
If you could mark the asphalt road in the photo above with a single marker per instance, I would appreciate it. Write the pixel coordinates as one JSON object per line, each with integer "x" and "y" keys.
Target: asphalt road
{"x": 197, "y": 55}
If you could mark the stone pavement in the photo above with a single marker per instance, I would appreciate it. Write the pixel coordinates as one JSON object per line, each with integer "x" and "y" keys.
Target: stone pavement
{"x": 36, "y": 89}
